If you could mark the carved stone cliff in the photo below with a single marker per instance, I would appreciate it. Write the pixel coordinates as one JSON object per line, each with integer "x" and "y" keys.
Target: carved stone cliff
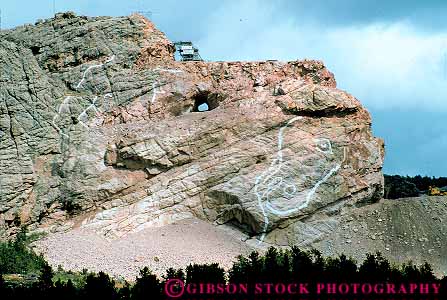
{"x": 100, "y": 128}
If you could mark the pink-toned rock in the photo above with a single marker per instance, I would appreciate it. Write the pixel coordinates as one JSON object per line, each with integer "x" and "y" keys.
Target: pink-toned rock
{"x": 126, "y": 147}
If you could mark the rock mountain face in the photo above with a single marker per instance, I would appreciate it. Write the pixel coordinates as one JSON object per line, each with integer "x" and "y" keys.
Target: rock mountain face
{"x": 100, "y": 129}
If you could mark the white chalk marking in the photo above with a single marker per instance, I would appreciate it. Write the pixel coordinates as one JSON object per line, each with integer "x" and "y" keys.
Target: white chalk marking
{"x": 83, "y": 115}
{"x": 155, "y": 92}
{"x": 65, "y": 107}
{"x": 93, "y": 67}
{"x": 154, "y": 84}
{"x": 309, "y": 195}
{"x": 323, "y": 145}
{"x": 269, "y": 174}
{"x": 106, "y": 102}
{"x": 168, "y": 70}
{"x": 110, "y": 59}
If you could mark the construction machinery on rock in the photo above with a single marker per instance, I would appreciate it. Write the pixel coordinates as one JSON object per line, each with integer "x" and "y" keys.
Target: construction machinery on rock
{"x": 434, "y": 191}
{"x": 187, "y": 51}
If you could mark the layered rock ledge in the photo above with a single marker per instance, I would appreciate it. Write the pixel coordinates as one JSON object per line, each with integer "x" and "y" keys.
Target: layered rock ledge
{"x": 100, "y": 129}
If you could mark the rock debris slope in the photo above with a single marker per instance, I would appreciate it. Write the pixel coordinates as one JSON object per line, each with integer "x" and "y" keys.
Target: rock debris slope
{"x": 100, "y": 129}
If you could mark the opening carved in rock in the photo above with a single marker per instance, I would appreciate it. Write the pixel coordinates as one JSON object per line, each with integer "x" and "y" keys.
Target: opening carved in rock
{"x": 35, "y": 50}
{"x": 205, "y": 101}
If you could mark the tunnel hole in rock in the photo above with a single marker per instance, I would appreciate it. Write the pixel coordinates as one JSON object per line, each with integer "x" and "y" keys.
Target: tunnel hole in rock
{"x": 35, "y": 50}
{"x": 205, "y": 101}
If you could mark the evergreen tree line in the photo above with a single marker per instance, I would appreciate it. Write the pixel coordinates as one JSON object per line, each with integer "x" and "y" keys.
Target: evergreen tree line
{"x": 285, "y": 266}
{"x": 17, "y": 258}
{"x": 397, "y": 186}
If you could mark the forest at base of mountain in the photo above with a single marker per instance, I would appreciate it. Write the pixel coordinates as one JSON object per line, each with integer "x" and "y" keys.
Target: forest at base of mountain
{"x": 37, "y": 280}
{"x": 397, "y": 186}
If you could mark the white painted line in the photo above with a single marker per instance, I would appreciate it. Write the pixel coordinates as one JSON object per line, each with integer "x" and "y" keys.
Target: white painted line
{"x": 155, "y": 92}
{"x": 65, "y": 106}
{"x": 83, "y": 115}
{"x": 93, "y": 67}
{"x": 268, "y": 181}
{"x": 168, "y": 70}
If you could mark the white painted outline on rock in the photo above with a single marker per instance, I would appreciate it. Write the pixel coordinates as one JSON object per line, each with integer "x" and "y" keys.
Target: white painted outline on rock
{"x": 93, "y": 67}
{"x": 59, "y": 112}
{"x": 66, "y": 100}
{"x": 274, "y": 168}
{"x": 156, "y": 84}
{"x": 155, "y": 92}
{"x": 84, "y": 113}
{"x": 108, "y": 95}
{"x": 168, "y": 70}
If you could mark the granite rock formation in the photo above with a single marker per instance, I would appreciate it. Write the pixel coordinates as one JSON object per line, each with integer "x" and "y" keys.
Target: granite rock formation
{"x": 100, "y": 128}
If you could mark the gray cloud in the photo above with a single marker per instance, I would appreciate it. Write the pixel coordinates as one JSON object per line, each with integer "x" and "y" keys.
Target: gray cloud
{"x": 426, "y": 15}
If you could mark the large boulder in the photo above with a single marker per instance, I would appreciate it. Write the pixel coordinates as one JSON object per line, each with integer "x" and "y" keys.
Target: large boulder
{"x": 100, "y": 128}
